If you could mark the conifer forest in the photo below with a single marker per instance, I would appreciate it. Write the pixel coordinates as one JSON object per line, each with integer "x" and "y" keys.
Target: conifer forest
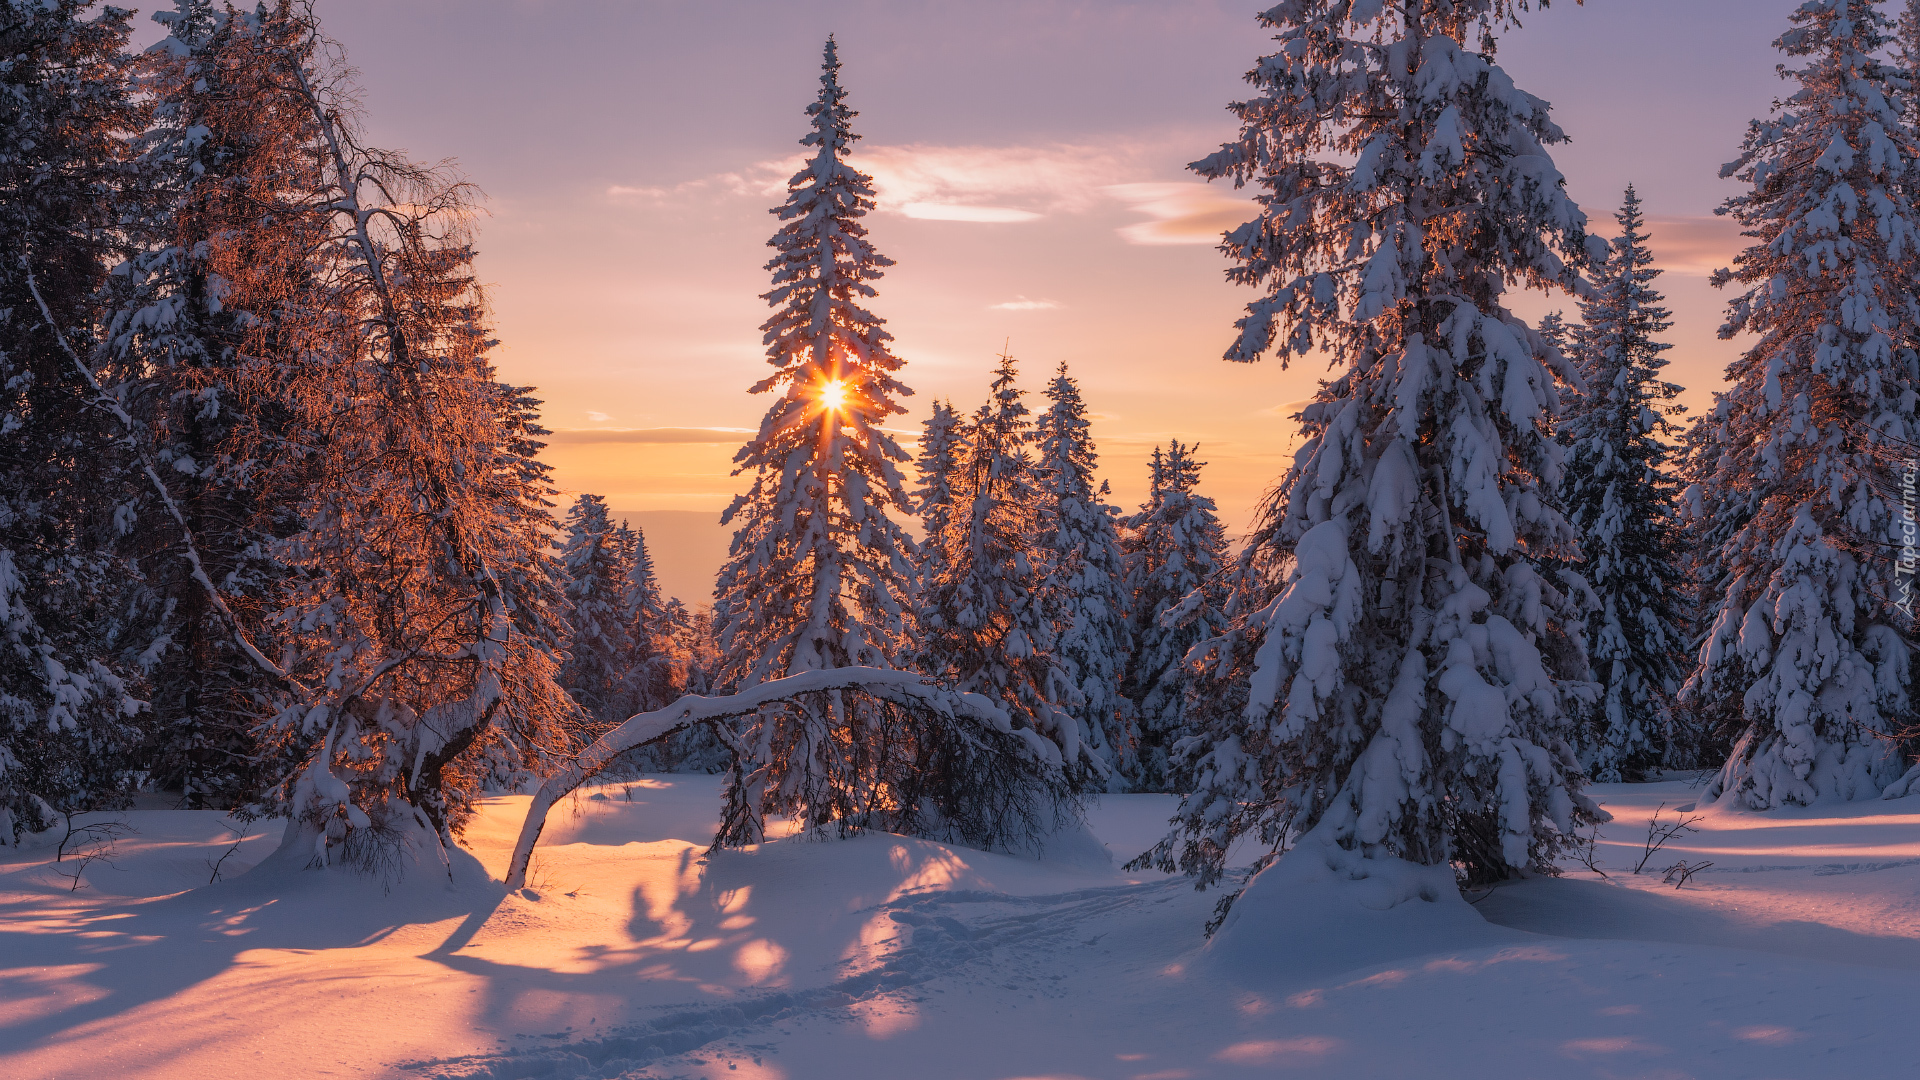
{"x": 1529, "y": 693}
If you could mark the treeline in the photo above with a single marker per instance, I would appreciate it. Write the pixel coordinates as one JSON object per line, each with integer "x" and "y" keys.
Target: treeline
{"x": 1020, "y": 546}
{"x": 273, "y": 535}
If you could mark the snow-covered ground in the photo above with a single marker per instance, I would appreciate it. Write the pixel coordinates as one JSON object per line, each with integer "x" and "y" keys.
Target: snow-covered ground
{"x": 1794, "y": 955}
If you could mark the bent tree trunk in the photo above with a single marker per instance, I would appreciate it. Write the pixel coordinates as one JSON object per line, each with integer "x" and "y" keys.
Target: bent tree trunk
{"x": 901, "y": 687}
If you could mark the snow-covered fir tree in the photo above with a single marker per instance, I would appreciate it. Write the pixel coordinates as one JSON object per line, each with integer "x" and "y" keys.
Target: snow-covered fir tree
{"x": 594, "y": 577}
{"x": 207, "y": 298}
{"x": 654, "y": 624}
{"x": 1085, "y": 572}
{"x": 1175, "y": 552}
{"x": 937, "y": 499}
{"x": 1906, "y": 61}
{"x": 1408, "y": 686}
{"x": 67, "y": 710}
{"x": 988, "y": 618}
{"x": 1808, "y": 627}
{"x": 664, "y": 663}
{"x": 819, "y": 576}
{"x": 1618, "y": 493}
{"x": 1554, "y": 331}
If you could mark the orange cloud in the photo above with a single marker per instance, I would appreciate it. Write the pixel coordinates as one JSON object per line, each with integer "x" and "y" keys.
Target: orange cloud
{"x": 1682, "y": 245}
{"x": 1694, "y": 245}
{"x": 993, "y": 183}
{"x": 1183, "y": 212}
{"x": 984, "y": 184}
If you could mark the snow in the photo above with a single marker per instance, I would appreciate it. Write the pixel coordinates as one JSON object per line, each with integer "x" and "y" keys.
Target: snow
{"x": 635, "y": 955}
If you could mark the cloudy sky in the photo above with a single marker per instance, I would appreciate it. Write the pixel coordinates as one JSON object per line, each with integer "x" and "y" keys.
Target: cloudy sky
{"x": 1029, "y": 157}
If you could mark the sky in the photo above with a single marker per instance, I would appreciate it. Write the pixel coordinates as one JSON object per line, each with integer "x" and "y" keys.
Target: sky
{"x": 1029, "y": 158}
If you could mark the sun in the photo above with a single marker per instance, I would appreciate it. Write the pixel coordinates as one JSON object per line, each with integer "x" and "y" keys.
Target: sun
{"x": 833, "y": 395}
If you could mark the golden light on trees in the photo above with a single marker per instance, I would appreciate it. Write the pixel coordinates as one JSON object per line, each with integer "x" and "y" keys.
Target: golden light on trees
{"x": 833, "y": 395}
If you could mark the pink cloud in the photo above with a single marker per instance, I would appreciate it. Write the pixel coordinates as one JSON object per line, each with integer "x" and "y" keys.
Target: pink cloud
{"x": 1182, "y": 212}
{"x": 1683, "y": 245}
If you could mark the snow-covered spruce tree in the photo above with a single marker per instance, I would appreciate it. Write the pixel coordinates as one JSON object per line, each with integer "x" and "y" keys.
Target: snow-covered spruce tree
{"x": 1175, "y": 552}
{"x": 1408, "y": 684}
{"x": 422, "y": 630}
{"x": 1556, "y": 333}
{"x": 1618, "y": 494}
{"x": 1802, "y": 509}
{"x": 67, "y": 720}
{"x": 656, "y": 670}
{"x": 696, "y": 639}
{"x": 661, "y": 668}
{"x": 937, "y": 501}
{"x": 1705, "y": 727}
{"x": 988, "y": 618}
{"x": 214, "y": 207}
{"x": 819, "y": 576}
{"x": 1084, "y": 569}
{"x": 1906, "y": 61}
{"x": 600, "y": 650}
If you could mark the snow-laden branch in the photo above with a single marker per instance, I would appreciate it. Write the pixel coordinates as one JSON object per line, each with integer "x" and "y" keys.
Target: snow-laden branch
{"x": 900, "y": 687}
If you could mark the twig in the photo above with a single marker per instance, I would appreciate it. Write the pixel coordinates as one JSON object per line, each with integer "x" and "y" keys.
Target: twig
{"x": 95, "y": 843}
{"x": 1583, "y": 850}
{"x": 1682, "y": 871}
{"x": 215, "y": 864}
{"x": 1658, "y": 833}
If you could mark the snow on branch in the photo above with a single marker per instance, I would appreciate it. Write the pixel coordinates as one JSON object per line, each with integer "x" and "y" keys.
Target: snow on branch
{"x": 903, "y": 688}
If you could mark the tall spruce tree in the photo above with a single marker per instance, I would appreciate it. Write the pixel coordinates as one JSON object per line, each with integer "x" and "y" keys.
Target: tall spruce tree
{"x": 1805, "y": 615}
{"x": 938, "y": 502}
{"x": 988, "y": 619}
{"x": 819, "y": 577}
{"x": 665, "y": 664}
{"x": 67, "y": 710}
{"x": 1176, "y": 551}
{"x": 219, "y": 274}
{"x": 1085, "y": 574}
{"x": 1408, "y": 686}
{"x": 1618, "y": 494}
{"x": 654, "y": 623}
{"x": 600, "y": 647}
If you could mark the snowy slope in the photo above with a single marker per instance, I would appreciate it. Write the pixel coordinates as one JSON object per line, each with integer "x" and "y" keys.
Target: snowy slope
{"x": 1794, "y": 955}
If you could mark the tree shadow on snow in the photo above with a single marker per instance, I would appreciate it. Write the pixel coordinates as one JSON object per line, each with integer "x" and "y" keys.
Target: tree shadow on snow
{"x": 1570, "y": 908}
{"x": 67, "y": 968}
{"x": 715, "y": 938}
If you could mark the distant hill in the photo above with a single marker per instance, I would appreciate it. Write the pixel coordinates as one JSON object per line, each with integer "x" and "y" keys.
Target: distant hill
{"x": 688, "y": 547}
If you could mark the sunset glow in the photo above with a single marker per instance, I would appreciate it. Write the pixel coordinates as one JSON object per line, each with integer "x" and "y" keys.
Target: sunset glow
{"x": 1010, "y": 540}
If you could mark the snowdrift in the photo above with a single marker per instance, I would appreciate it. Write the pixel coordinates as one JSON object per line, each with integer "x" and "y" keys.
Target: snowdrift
{"x": 631, "y": 955}
{"x": 1321, "y": 910}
